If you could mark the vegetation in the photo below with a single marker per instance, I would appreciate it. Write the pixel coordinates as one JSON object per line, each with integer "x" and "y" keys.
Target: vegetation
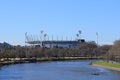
{"x": 110, "y": 64}
{"x": 114, "y": 53}
{"x": 87, "y": 49}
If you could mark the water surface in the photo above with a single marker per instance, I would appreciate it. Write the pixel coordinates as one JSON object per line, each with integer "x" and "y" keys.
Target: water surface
{"x": 57, "y": 70}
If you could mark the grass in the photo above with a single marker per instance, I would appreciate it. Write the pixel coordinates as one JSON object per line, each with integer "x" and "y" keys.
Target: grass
{"x": 108, "y": 64}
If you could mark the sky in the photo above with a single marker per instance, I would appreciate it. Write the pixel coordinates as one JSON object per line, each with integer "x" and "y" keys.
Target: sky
{"x": 60, "y": 18}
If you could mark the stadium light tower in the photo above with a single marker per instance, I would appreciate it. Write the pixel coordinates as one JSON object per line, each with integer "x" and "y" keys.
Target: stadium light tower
{"x": 80, "y": 32}
{"x": 41, "y": 33}
{"x": 52, "y": 37}
{"x": 45, "y": 35}
{"x": 26, "y": 40}
{"x": 77, "y": 36}
{"x": 62, "y": 38}
{"x": 97, "y": 37}
{"x": 26, "y": 37}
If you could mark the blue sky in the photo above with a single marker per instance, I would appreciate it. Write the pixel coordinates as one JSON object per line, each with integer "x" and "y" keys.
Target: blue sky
{"x": 60, "y": 18}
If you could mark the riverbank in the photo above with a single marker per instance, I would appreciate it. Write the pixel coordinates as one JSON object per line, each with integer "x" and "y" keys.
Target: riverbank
{"x": 108, "y": 65}
{"x": 9, "y": 61}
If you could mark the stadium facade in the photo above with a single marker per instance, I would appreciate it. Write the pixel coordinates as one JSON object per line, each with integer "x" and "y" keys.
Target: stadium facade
{"x": 56, "y": 44}
{"x": 42, "y": 40}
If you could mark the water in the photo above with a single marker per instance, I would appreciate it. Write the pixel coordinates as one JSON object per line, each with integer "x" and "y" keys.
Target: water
{"x": 57, "y": 70}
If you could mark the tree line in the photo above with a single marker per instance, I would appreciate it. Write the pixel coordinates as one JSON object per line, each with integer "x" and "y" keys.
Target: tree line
{"x": 86, "y": 49}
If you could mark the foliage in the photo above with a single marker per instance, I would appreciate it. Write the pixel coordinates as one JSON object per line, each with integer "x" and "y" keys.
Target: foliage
{"x": 110, "y": 64}
{"x": 86, "y": 49}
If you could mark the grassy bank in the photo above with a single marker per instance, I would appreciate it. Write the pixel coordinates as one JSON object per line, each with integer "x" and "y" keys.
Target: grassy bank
{"x": 109, "y": 65}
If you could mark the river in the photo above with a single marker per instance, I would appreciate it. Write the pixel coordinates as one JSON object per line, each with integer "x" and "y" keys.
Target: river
{"x": 57, "y": 70}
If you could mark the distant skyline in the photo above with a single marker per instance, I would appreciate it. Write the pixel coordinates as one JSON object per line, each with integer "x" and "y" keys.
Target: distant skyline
{"x": 60, "y": 18}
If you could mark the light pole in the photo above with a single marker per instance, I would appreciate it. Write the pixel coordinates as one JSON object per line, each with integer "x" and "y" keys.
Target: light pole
{"x": 77, "y": 36}
{"x": 45, "y": 37}
{"x": 41, "y": 37}
{"x": 97, "y": 37}
{"x": 26, "y": 39}
{"x": 80, "y": 33}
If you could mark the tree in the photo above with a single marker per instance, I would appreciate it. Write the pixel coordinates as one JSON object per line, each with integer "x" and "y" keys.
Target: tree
{"x": 114, "y": 52}
{"x": 103, "y": 51}
{"x": 20, "y": 51}
{"x": 87, "y": 49}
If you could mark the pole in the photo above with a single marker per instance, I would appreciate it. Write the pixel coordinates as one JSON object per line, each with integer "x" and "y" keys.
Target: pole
{"x": 41, "y": 37}
{"x": 80, "y": 32}
{"x": 26, "y": 39}
{"x": 97, "y": 37}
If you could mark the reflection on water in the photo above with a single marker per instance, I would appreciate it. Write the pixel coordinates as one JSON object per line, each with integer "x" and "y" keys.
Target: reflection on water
{"x": 59, "y": 70}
